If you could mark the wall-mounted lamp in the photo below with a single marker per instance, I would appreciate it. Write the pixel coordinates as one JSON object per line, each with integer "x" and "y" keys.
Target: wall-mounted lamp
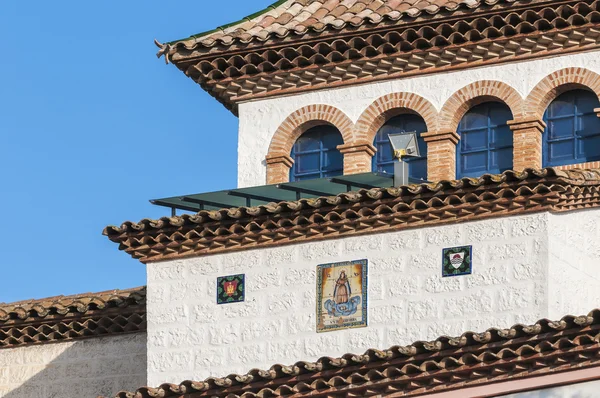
{"x": 404, "y": 145}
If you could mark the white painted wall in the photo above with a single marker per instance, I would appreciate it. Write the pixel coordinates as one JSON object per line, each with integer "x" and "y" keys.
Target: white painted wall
{"x": 590, "y": 389}
{"x": 575, "y": 264}
{"x": 78, "y": 369}
{"x": 191, "y": 337}
{"x": 260, "y": 119}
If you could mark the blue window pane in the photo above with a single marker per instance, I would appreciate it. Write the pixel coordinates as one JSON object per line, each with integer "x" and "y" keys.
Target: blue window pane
{"x": 589, "y": 124}
{"x": 418, "y": 168}
{"x": 476, "y": 161}
{"x": 306, "y": 163}
{"x": 562, "y": 107}
{"x": 486, "y": 141}
{"x": 561, "y": 128}
{"x": 585, "y": 101}
{"x": 501, "y": 159}
{"x": 562, "y": 149}
{"x": 307, "y": 143}
{"x": 501, "y": 137}
{"x": 331, "y": 139}
{"x": 383, "y": 159}
{"x": 414, "y": 123}
{"x": 474, "y": 139}
{"x": 305, "y": 177}
{"x": 588, "y": 147}
{"x": 499, "y": 114}
{"x": 384, "y": 151}
{"x": 315, "y": 154}
{"x": 474, "y": 119}
{"x": 386, "y": 168}
{"x": 332, "y": 160}
{"x": 334, "y": 173}
{"x": 572, "y": 133}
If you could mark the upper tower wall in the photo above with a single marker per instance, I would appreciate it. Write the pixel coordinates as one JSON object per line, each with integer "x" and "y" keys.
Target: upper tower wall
{"x": 300, "y": 64}
{"x": 441, "y": 99}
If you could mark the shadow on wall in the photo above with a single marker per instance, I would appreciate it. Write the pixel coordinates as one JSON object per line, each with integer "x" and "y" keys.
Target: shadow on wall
{"x": 89, "y": 368}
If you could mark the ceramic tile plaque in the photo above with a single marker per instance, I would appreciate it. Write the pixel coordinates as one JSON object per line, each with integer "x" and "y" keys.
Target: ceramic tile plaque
{"x": 231, "y": 289}
{"x": 341, "y": 295}
{"x": 457, "y": 261}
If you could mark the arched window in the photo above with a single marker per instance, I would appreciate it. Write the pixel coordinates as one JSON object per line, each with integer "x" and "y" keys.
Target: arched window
{"x": 572, "y": 132}
{"x": 383, "y": 160}
{"x": 316, "y": 155}
{"x": 486, "y": 142}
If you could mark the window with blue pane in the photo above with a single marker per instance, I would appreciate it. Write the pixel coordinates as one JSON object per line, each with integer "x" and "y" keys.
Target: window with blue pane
{"x": 572, "y": 133}
{"x": 316, "y": 155}
{"x": 486, "y": 141}
{"x": 383, "y": 160}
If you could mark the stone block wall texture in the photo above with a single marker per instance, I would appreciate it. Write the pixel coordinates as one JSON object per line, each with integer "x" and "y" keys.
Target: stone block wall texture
{"x": 260, "y": 120}
{"x": 79, "y": 369}
{"x": 191, "y": 337}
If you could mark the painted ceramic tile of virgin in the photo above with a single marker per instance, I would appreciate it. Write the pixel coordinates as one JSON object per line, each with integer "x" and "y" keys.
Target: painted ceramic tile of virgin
{"x": 341, "y": 295}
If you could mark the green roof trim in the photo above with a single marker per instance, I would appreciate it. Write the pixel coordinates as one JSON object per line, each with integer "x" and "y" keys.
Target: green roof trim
{"x": 223, "y": 27}
{"x": 289, "y": 191}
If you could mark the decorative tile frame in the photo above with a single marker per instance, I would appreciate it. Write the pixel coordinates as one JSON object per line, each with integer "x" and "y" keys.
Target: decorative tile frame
{"x": 231, "y": 289}
{"x": 342, "y": 295}
{"x": 457, "y": 261}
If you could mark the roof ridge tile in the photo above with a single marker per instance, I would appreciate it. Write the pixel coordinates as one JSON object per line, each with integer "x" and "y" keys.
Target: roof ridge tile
{"x": 257, "y": 26}
{"x": 25, "y": 309}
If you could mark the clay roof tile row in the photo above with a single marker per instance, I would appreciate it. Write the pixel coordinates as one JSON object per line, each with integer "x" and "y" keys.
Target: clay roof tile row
{"x": 423, "y": 367}
{"x": 365, "y": 211}
{"x": 62, "y": 305}
{"x": 450, "y": 41}
{"x": 63, "y": 318}
{"x": 299, "y": 17}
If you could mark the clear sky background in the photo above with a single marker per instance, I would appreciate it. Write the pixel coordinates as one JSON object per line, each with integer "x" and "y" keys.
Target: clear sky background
{"x": 93, "y": 126}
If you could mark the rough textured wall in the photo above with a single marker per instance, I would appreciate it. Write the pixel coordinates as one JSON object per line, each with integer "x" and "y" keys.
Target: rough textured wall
{"x": 574, "y": 262}
{"x": 191, "y": 337}
{"x": 260, "y": 119}
{"x": 78, "y": 369}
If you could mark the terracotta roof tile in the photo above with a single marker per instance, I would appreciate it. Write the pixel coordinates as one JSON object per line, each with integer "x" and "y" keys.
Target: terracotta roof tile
{"x": 362, "y": 212}
{"x": 448, "y": 363}
{"x": 447, "y": 41}
{"x": 70, "y": 317}
{"x": 298, "y": 17}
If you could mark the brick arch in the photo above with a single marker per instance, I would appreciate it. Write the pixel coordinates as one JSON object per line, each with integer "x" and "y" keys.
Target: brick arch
{"x": 305, "y": 118}
{"x": 389, "y": 106}
{"x": 557, "y": 83}
{"x": 476, "y": 93}
{"x": 278, "y": 160}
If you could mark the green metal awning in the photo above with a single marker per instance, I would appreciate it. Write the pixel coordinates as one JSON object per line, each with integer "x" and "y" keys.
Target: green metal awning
{"x": 291, "y": 191}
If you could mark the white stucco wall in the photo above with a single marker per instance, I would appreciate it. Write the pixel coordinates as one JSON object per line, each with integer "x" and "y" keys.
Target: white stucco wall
{"x": 590, "y": 389}
{"x": 191, "y": 337}
{"x": 260, "y": 119}
{"x": 79, "y": 369}
{"x": 574, "y": 262}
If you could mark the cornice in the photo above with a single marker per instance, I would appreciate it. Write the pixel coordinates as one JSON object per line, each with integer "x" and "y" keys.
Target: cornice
{"x": 66, "y": 318}
{"x": 446, "y": 364}
{"x": 358, "y": 213}
{"x": 433, "y": 136}
{"x": 432, "y": 45}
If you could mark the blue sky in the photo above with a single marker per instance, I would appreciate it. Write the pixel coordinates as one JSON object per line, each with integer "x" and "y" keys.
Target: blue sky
{"x": 94, "y": 125}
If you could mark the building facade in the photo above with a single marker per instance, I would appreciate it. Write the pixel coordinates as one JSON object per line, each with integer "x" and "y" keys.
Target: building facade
{"x": 73, "y": 346}
{"x": 496, "y": 234}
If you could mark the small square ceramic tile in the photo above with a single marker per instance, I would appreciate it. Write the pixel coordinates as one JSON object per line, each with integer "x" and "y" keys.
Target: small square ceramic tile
{"x": 457, "y": 261}
{"x": 231, "y": 289}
